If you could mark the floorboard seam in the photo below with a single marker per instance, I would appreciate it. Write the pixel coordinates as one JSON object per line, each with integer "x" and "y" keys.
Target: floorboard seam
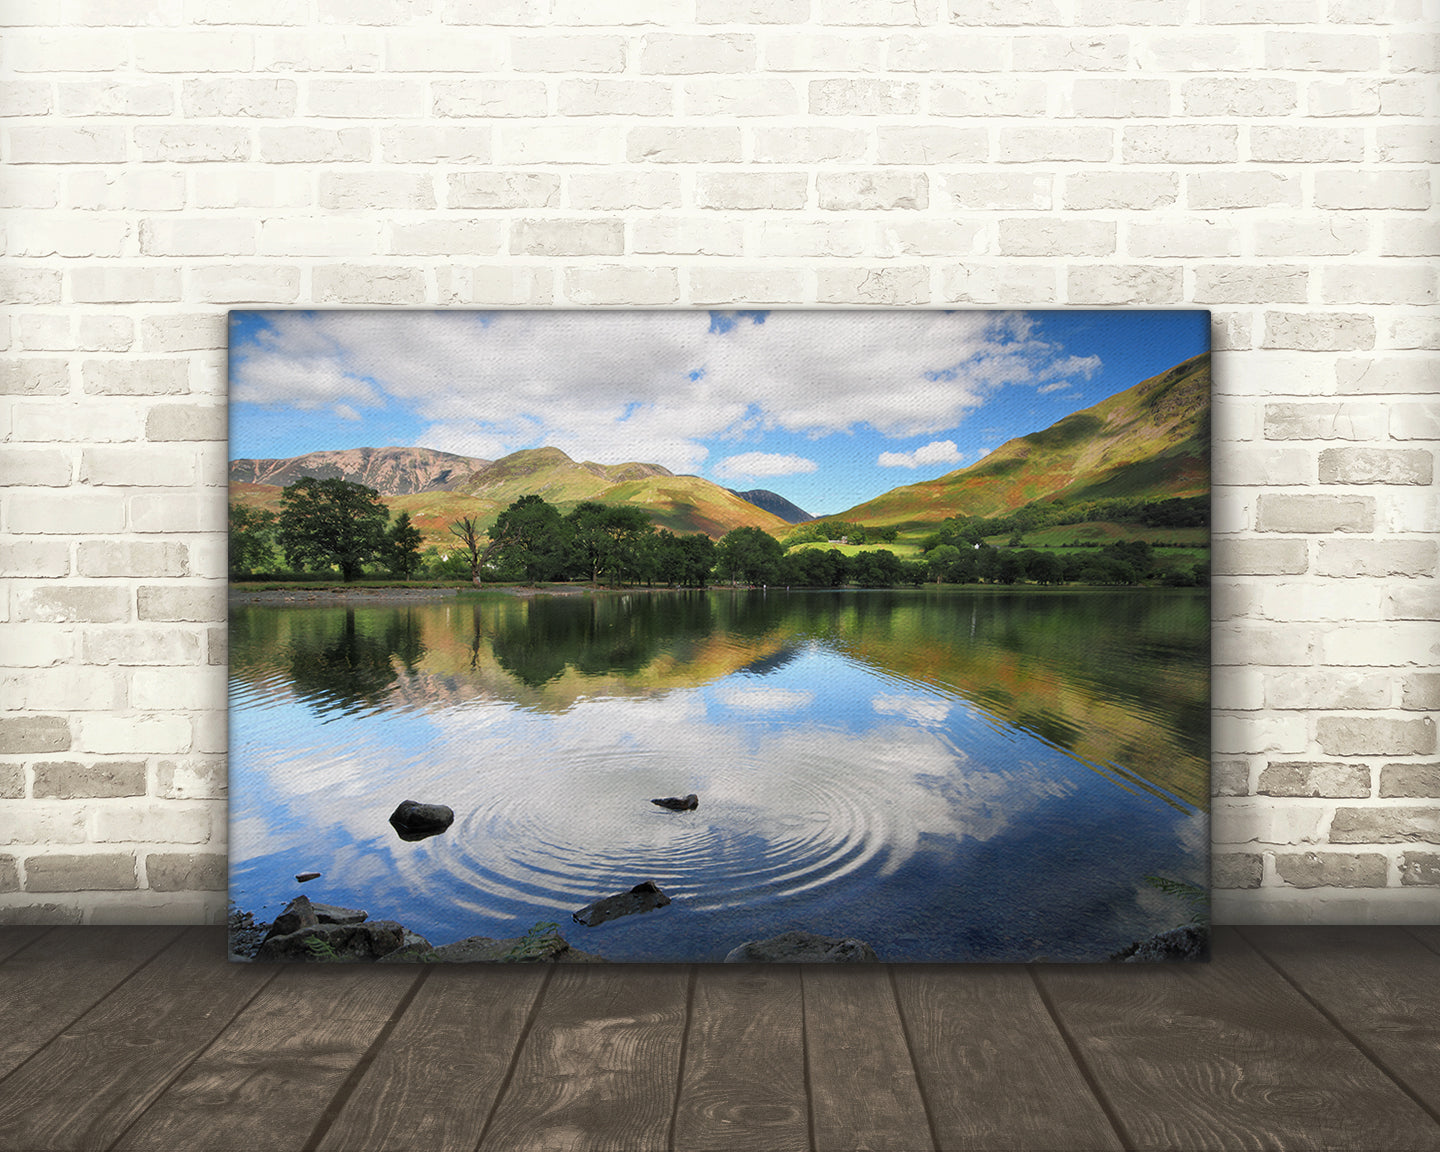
{"x": 1424, "y": 943}
{"x": 352, "y": 1081}
{"x": 684, "y": 1049}
{"x": 914, "y": 1064}
{"x": 108, "y": 993}
{"x": 201, "y": 1051}
{"x": 1359, "y": 1045}
{"x": 17, "y": 951}
{"x": 805, "y": 1064}
{"x": 1081, "y": 1064}
{"x": 520, "y": 1042}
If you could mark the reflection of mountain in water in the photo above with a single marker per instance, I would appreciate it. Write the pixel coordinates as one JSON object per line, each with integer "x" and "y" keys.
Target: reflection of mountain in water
{"x": 1115, "y": 679}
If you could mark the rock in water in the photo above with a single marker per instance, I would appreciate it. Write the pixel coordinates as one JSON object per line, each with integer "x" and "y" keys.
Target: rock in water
{"x": 1188, "y": 942}
{"x": 679, "y": 803}
{"x": 304, "y": 876}
{"x": 415, "y": 821}
{"x": 803, "y": 948}
{"x": 644, "y": 897}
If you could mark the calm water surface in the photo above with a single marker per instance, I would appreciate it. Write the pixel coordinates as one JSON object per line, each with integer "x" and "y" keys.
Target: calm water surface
{"x": 972, "y": 775}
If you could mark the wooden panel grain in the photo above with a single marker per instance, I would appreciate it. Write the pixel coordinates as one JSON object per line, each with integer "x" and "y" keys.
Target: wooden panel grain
{"x": 1427, "y": 934}
{"x": 744, "y": 1080}
{"x": 863, "y": 1088}
{"x": 1381, "y": 985}
{"x": 269, "y": 1077}
{"x": 437, "y": 1077}
{"x": 62, "y": 975}
{"x": 14, "y": 937}
{"x": 95, "y": 1078}
{"x": 1227, "y": 1055}
{"x": 599, "y": 1068}
{"x": 994, "y": 1069}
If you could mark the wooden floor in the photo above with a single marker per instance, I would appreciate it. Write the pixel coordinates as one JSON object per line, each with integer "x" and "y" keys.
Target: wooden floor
{"x": 1291, "y": 1038}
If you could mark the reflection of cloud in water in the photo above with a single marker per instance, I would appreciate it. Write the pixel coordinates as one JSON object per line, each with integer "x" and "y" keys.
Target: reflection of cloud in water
{"x": 919, "y": 709}
{"x": 766, "y": 699}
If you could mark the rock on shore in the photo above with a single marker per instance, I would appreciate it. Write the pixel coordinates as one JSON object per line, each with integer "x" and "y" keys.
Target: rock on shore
{"x": 803, "y": 948}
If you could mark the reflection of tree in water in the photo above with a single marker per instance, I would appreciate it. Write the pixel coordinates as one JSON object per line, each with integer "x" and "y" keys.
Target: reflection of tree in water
{"x": 345, "y": 663}
{"x": 597, "y": 636}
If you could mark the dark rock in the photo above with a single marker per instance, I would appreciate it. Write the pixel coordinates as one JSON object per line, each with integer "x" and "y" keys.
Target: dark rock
{"x": 1188, "y": 942}
{"x": 679, "y": 803}
{"x": 644, "y": 897}
{"x": 803, "y": 948}
{"x": 415, "y": 821}
{"x": 304, "y": 876}
{"x": 514, "y": 950}
{"x": 415, "y": 947}
{"x": 334, "y": 914}
{"x": 298, "y": 914}
{"x": 350, "y": 943}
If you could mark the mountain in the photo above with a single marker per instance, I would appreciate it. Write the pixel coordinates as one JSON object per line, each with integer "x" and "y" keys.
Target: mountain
{"x": 774, "y": 502}
{"x": 1150, "y": 440}
{"x": 390, "y": 471}
{"x": 439, "y": 488}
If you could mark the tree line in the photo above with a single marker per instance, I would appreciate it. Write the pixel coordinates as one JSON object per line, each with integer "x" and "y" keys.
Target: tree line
{"x": 332, "y": 524}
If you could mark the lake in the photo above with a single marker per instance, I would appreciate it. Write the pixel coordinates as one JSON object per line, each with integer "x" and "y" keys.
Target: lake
{"x": 949, "y": 775}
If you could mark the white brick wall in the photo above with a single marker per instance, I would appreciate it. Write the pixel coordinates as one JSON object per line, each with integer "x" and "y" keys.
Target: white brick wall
{"x": 1268, "y": 159}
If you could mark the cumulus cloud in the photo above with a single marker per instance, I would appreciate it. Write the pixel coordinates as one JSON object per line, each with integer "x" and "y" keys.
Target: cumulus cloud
{"x": 763, "y": 464}
{"x": 613, "y": 386}
{"x": 936, "y": 452}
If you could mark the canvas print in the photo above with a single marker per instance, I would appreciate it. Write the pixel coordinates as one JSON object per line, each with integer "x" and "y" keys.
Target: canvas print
{"x": 743, "y": 636}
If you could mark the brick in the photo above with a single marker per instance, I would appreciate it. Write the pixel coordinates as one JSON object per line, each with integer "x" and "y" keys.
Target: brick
{"x": 9, "y": 874}
{"x": 1414, "y": 422}
{"x": 304, "y": 144}
{"x": 34, "y": 558}
{"x": 503, "y": 190}
{"x": 592, "y": 97}
{"x": 752, "y": 11}
{"x": 675, "y": 54}
{"x": 1084, "y": 52}
{"x": 342, "y": 50}
{"x": 1230, "y": 778}
{"x": 1420, "y": 868}
{"x": 132, "y": 285}
{"x": 1242, "y": 189}
{"x": 183, "y": 333}
{"x": 34, "y": 377}
{"x": 1313, "y": 778}
{"x": 170, "y": 512}
{"x": 872, "y": 190}
{"x": 1239, "y": 690}
{"x": 505, "y": 12}
{"x": 489, "y": 98}
{"x": 552, "y": 237}
{"x": 854, "y": 96}
{"x": 999, "y": 191}
{"x": 889, "y": 285}
{"x": 1238, "y": 96}
{"x": 94, "y": 604}
{"x": 683, "y": 145}
{"x": 191, "y": 143}
{"x": 752, "y": 190}
{"x": 217, "y": 646}
{"x": 686, "y": 236}
{"x": 334, "y": 235}
{"x": 1299, "y": 144}
{"x": 1332, "y": 869}
{"x": 1408, "y": 144}
{"x": 1027, "y": 145}
{"x": 176, "y": 604}
{"x": 1282, "y": 512}
{"x": 902, "y": 236}
{"x": 1229, "y": 284}
{"x": 1410, "y": 780}
{"x": 193, "y": 778}
{"x": 99, "y": 871}
{"x": 1389, "y": 283}
{"x": 29, "y": 285}
{"x": 185, "y": 422}
{"x": 1124, "y": 284}
{"x": 1375, "y": 736}
{"x": 1266, "y": 821}
{"x": 823, "y": 238}
{"x": 1180, "y": 144}
{"x": 1383, "y": 558}
{"x": 186, "y": 871}
{"x": 1309, "y": 235}
{"x": 1409, "y": 236}
{"x": 1191, "y": 238}
{"x": 491, "y": 284}
{"x": 72, "y": 780}
{"x": 768, "y": 96}
{"x": 1247, "y": 643}
{"x": 138, "y": 734}
{"x": 807, "y": 145}
{"x": 96, "y": 421}
{"x": 1420, "y": 691}
{"x": 369, "y": 285}
{"x": 70, "y": 512}
{"x": 368, "y": 191}
{"x": 68, "y": 144}
{"x": 445, "y": 237}
{"x": 29, "y": 188}
{"x": 1332, "y": 688}
{"x": 129, "y": 377}
{"x": 170, "y": 822}
{"x": 1373, "y": 190}
{"x": 366, "y": 98}
{"x": 586, "y": 143}
{"x": 712, "y": 286}
{"x": 982, "y": 284}
{"x": 1196, "y": 51}
{"x": 135, "y": 646}
{"x": 1002, "y": 13}
{"x": 813, "y": 51}
{"x": 1320, "y": 600}
{"x": 1048, "y": 236}
{"x": 1324, "y": 421}
{"x": 1376, "y": 466}
{"x": 1321, "y": 52}
{"x": 555, "y": 53}
{"x": 987, "y": 96}
{"x": 36, "y": 237}
{"x": 191, "y": 50}
{"x": 251, "y": 186}
{"x": 1107, "y": 98}
{"x": 35, "y": 646}
{"x": 236, "y": 96}
{"x": 25, "y": 98}
{"x": 622, "y": 284}
{"x": 871, "y": 12}
{"x": 1386, "y": 825}
{"x": 624, "y": 189}
{"x": 46, "y": 913}
{"x": 931, "y": 144}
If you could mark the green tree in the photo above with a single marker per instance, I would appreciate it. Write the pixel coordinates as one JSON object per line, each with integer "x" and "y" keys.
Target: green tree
{"x": 605, "y": 538}
{"x": 749, "y": 554}
{"x": 941, "y": 562}
{"x": 332, "y": 522}
{"x": 402, "y": 551}
{"x": 252, "y": 539}
{"x": 530, "y": 538}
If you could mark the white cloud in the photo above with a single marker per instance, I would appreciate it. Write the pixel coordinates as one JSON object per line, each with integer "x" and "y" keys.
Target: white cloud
{"x": 615, "y": 386}
{"x": 936, "y": 452}
{"x": 762, "y": 464}
{"x": 766, "y": 699}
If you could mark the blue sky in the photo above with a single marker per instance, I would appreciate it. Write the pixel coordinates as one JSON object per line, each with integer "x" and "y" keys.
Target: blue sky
{"x": 828, "y": 408}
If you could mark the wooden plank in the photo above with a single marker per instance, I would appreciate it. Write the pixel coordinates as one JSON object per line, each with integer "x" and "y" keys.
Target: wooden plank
{"x": 744, "y": 1080}
{"x": 436, "y": 1079}
{"x": 14, "y": 937}
{"x": 269, "y": 1077}
{"x": 994, "y": 1069}
{"x": 1227, "y": 1055}
{"x": 1379, "y": 984}
{"x": 92, "y": 1081}
{"x": 863, "y": 1088}
{"x": 598, "y": 1069}
{"x": 61, "y": 976}
{"x": 1427, "y": 934}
